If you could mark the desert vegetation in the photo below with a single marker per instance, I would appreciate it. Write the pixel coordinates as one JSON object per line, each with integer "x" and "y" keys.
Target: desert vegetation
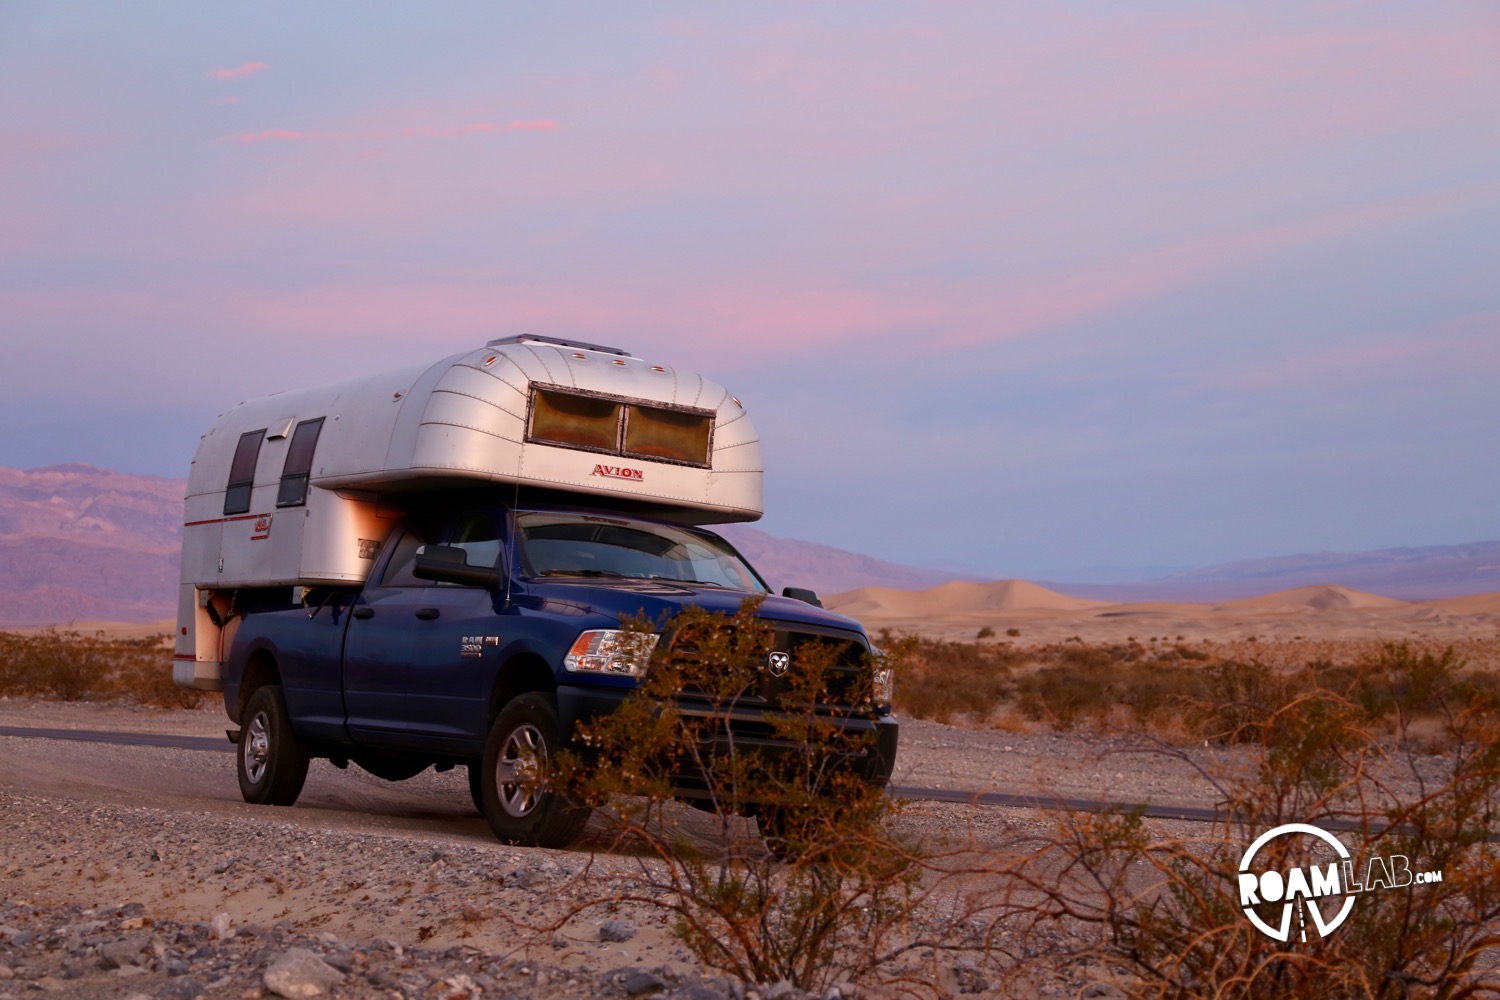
{"x": 822, "y": 895}
{"x": 71, "y": 666}
{"x": 1188, "y": 692}
{"x": 1395, "y": 747}
{"x": 1165, "y": 910}
{"x": 838, "y": 895}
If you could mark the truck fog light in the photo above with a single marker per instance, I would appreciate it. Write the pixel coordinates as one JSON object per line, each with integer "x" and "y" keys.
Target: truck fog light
{"x": 616, "y": 652}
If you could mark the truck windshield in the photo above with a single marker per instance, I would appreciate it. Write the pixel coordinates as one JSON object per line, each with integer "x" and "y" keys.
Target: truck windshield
{"x": 584, "y": 545}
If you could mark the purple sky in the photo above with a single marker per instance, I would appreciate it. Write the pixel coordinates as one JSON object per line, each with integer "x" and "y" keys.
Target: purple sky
{"x": 1020, "y": 289}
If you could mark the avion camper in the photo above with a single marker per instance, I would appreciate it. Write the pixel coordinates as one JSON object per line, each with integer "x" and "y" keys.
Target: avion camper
{"x": 431, "y": 567}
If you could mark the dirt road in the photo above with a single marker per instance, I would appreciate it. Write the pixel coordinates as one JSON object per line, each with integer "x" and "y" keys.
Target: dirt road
{"x": 386, "y": 873}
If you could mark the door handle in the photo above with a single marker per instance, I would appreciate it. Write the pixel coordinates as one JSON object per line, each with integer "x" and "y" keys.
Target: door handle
{"x": 427, "y": 614}
{"x": 363, "y": 612}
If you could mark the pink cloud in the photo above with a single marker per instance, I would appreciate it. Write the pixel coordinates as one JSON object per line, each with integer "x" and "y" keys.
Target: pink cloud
{"x": 278, "y": 135}
{"x": 478, "y": 128}
{"x": 368, "y": 135}
{"x": 238, "y": 72}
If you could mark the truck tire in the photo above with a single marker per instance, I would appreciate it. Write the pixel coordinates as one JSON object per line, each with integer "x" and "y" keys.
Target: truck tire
{"x": 518, "y": 805}
{"x": 272, "y": 762}
{"x": 476, "y": 785}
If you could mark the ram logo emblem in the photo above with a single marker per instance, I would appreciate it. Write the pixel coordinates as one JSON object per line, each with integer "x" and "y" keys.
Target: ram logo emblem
{"x": 779, "y": 663}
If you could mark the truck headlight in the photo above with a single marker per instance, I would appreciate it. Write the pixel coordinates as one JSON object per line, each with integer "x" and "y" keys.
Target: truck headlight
{"x": 885, "y": 687}
{"x": 616, "y": 652}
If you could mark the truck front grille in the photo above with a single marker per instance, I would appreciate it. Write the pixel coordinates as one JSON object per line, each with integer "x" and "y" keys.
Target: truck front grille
{"x": 781, "y": 669}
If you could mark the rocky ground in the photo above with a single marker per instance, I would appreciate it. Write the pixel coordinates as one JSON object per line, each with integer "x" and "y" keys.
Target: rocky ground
{"x": 137, "y": 872}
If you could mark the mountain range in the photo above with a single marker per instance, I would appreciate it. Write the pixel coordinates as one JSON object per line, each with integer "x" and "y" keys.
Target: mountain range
{"x": 80, "y": 543}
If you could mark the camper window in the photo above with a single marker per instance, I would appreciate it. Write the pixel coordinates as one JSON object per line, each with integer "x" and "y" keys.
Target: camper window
{"x": 675, "y": 435}
{"x": 242, "y": 472}
{"x": 299, "y": 456}
{"x": 577, "y": 421}
{"x": 620, "y": 427}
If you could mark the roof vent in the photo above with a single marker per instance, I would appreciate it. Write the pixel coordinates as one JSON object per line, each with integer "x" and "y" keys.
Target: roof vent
{"x": 527, "y": 338}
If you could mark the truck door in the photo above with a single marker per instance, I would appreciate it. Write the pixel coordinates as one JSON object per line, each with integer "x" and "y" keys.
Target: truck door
{"x": 420, "y": 657}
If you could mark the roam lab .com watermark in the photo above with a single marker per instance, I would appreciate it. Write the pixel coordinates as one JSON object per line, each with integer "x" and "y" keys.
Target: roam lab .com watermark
{"x": 1328, "y": 884}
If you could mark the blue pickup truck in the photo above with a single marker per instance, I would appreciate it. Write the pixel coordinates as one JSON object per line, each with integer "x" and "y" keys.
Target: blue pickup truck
{"x": 447, "y": 565}
{"x": 484, "y": 635}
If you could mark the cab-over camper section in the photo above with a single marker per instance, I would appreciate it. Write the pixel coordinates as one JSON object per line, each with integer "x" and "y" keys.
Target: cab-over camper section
{"x": 300, "y": 489}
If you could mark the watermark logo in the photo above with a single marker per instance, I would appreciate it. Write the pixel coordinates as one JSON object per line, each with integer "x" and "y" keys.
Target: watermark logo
{"x": 1323, "y": 890}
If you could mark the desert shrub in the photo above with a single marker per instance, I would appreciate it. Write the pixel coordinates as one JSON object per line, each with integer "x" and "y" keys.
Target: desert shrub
{"x": 1236, "y": 698}
{"x": 144, "y": 676}
{"x": 1063, "y": 695}
{"x": 1179, "y": 691}
{"x": 985, "y": 632}
{"x": 1169, "y": 911}
{"x": 943, "y": 680}
{"x": 1155, "y": 691}
{"x": 72, "y": 666}
{"x": 64, "y": 664}
{"x": 826, "y": 901}
{"x": 1084, "y": 657}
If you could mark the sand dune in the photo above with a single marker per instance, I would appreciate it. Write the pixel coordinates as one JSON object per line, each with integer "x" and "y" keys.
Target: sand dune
{"x": 1318, "y": 597}
{"x": 1473, "y": 604}
{"x": 1032, "y": 613}
{"x": 955, "y": 598}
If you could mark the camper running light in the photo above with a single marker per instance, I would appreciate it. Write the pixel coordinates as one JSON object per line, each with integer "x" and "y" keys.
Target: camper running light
{"x": 611, "y": 651}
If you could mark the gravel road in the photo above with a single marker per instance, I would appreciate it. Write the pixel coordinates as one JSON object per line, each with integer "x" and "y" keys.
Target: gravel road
{"x": 138, "y": 872}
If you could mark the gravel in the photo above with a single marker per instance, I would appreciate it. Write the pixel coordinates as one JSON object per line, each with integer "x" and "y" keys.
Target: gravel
{"x": 136, "y": 872}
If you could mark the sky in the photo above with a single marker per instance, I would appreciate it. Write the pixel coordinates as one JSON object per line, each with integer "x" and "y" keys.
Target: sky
{"x": 1015, "y": 289}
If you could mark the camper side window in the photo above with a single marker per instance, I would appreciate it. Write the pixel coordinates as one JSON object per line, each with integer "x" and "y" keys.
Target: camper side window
{"x": 299, "y": 456}
{"x": 242, "y": 472}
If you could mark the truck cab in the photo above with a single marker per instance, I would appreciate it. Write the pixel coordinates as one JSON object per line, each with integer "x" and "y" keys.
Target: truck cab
{"x": 438, "y": 599}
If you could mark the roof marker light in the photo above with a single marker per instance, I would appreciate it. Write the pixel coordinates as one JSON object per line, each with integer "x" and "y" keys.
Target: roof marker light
{"x": 490, "y": 360}
{"x": 618, "y": 361}
{"x": 657, "y": 368}
{"x": 580, "y": 356}
{"x": 737, "y": 402}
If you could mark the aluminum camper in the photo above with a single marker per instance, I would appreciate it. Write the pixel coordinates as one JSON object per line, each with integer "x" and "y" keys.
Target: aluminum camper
{"x": 300, "y": 489}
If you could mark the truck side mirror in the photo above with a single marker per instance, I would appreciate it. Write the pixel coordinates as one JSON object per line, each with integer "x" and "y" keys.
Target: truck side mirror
{"x": 802, "y": 594}
{"x": 449, "y": 564}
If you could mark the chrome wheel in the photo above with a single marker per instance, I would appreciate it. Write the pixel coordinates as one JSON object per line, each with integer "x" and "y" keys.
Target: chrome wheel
{"x": 518, "y": 771}
{"x": 255, "y": 744}
{"x": 514, "y": 782}
{"x": 272, "y": 761}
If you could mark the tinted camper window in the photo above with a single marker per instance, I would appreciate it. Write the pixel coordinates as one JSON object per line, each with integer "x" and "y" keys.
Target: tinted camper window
{"x": 680, "y": 435}
{"x": 569, "y": 419}
{"x": 242, "y": 472}
{"x": 675, "y": 435}
{"x": 299, "y": 456}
